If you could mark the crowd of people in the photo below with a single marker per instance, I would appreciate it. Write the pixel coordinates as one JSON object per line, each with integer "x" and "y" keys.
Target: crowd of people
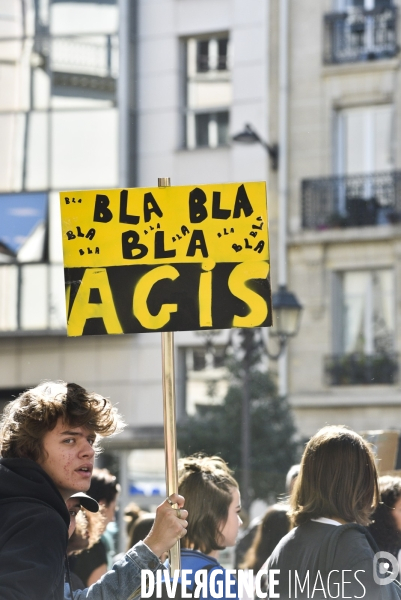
{"x": 336, "y": 535}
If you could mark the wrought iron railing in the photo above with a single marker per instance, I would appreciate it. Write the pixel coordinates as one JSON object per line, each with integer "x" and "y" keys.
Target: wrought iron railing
{"x": 361, "y": 369}
{"x": 360, "y": 34}
{"x": 351, "y": 201}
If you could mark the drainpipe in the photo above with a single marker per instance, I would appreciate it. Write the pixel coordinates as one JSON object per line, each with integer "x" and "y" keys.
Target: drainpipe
{"x": 283, "y": 171}
{"x": 123, "y": 93}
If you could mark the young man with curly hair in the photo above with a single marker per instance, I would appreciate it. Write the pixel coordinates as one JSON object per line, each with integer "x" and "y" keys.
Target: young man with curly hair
{"x": 48, "y": 441}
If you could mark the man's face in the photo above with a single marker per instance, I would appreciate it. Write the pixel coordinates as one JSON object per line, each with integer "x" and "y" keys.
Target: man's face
{"x": 68, "y": 457}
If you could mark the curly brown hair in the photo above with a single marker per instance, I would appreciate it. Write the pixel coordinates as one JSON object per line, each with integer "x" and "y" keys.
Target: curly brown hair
{"x": 36, "y": 411}
{"x": 383, "y": 526}
{"x": 206, "y": 483}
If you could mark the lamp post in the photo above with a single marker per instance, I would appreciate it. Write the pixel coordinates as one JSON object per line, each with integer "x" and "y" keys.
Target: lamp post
{"x": 287, "y": 312}
{"x": 286, "y": 319}
{"x": 286, "y": 307}
{"x": 249, "y": 136}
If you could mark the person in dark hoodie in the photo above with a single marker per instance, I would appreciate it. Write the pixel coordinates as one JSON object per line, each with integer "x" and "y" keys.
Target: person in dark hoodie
{"x": 48, "y": 440}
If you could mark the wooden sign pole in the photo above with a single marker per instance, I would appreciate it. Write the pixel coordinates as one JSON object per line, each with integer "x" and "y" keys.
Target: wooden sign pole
{"x": 170, "y": 437}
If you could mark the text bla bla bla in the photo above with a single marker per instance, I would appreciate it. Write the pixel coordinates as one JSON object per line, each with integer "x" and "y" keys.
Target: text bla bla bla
{"x": 133, "y": 249}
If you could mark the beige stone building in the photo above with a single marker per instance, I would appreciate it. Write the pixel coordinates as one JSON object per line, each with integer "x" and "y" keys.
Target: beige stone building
{"x": 344, "y": 210}
{"x": 100, "y": 94}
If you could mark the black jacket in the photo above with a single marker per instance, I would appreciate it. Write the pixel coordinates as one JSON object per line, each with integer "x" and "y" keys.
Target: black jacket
{"x": 33, "y": 533}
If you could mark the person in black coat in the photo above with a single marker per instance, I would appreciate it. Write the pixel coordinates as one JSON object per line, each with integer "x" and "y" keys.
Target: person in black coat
{"x": 386, "y": 520}
{"x": 48, "y": 438}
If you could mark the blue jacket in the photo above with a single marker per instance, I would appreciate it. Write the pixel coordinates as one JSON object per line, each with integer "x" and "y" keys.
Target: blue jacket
{"x": 123, "y": 581}
{"x": 193, "y": 560}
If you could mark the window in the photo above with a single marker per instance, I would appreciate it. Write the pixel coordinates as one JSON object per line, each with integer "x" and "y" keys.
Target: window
{"x": 364, "y": 155}
{"x": 206, "y": 376}
{"x": 207, "y": 91}
{"x": 367, "y": 307}
{"x": 199, "y": 359}
{"x": 364, "y": 190}
{"x": 31, "y": 276}
{"x": 364, "y": 330}
{"x": 59, "y": 70}
{"x": 364, "y": 140}
{"x": 22, "y": 223}
{"x": 58, "y": 84}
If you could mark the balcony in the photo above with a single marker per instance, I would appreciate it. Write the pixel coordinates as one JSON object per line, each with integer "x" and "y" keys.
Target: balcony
{"x": 81, "y": 65}
{"x": 351, "y": 201}
{"x": 85, "y": 66}
{"x": 361, "y": 369}
{"x": 360, "y": 35}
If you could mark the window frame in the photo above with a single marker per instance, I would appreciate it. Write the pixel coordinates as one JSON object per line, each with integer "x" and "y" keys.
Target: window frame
{"x": 339, "y": 317}
{"x": 189, "y": 136}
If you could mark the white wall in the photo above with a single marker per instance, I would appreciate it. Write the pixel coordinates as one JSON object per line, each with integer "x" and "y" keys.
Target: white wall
{"x": 162, "y": 24}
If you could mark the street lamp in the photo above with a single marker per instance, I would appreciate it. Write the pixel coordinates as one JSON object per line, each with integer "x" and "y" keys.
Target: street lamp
{"x": 286, "y": 319}
{"x": 250, "y": 136}
{"x": 286, "y": 307}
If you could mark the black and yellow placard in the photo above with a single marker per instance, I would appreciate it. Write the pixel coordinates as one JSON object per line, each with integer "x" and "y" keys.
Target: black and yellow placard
{"x": 166, "y": 259}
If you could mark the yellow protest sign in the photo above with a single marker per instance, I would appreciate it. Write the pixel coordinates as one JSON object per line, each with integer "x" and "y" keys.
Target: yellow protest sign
{"x": 166, "y": 259}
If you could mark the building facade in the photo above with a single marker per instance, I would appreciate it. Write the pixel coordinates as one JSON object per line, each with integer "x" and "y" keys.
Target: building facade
{"x": 322, "y": 80}
{"x": 100, "y": 94}
{"x": 59, "y": 114}
{"x": 344, "y": 208}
